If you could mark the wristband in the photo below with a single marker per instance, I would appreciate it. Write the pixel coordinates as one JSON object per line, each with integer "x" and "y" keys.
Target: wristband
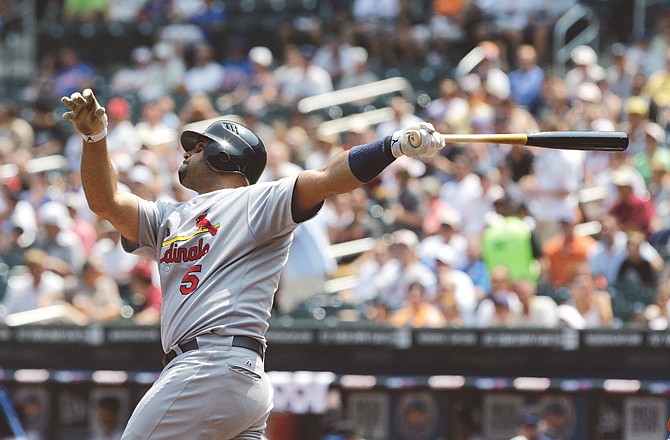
{"x": 91, "y": 138}
{"x": 368, "y": 160}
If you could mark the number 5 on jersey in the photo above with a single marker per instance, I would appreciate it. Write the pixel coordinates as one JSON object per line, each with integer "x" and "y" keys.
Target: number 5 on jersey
{"x": 189, "y": 283}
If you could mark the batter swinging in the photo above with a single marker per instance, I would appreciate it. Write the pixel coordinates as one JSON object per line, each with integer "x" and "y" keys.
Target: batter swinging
{"x": 220, "y": 256}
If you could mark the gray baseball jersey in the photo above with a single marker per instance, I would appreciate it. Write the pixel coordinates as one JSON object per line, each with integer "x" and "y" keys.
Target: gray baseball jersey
{"x": 220, "y": 256}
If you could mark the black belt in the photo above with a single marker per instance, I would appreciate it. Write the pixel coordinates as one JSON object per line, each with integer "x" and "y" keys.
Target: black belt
{"x": 238, "y": 341}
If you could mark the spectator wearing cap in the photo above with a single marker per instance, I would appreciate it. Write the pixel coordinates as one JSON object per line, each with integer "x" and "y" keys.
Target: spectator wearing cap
{"x": 302, "y": 78}
{"x": 236, "y": 64}
{"x": 335, "y": 55}
{"x": 57, "y": 239}
{"x": 555, "y": 420}
{"x": 327, "y": 145}
{"x": 586, "y": 68}
{"x": 154, "y": 133}
{"x": 260, "y": 89}
{"x": 360, "y": 74}
{"x": 375, "y": 270}
{"x": 463, "y": 192}
{"x": 446, "y": 300}
{"x": 563, "y": 252}
{"x": 410, "y": 269}
{"x": 449, "y": 108}
{"x": 409, "y": 205}
{"x": 632, "y": 211}
{"x": 37, "y": 287}
{"x": 374, "y": 25}
{"x": 465, "y": 293}
{"x": 659, "y": 187}
{"x": 131, "y": 80}
{"x": 638, "y": 276}
{"x": 655, "y": 142}
{"x": 145, "y": 296}
{"x": 636, "y": 109}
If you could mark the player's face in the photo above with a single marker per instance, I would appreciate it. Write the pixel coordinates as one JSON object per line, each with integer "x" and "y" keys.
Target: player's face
{"x": 193, "y": 168}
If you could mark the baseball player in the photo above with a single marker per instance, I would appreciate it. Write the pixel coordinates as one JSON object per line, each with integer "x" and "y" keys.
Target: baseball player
{"x": 220, "y": 256}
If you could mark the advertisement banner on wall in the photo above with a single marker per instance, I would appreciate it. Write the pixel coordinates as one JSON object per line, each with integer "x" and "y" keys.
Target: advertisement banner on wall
{"x": 645, "y": 418}
{"x": 369, "y": 412}
{"x": 418, "y": 415}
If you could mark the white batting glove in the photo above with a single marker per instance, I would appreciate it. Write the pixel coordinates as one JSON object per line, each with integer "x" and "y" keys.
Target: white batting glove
{"x": 419, "y": 140}
{"x": 87, "y": 116}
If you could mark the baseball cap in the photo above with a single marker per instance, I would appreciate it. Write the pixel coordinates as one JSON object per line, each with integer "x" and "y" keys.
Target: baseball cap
{"x": 655, "y": 131}
{"x": 636, "y": 105}
{"x": 583, "y": 55}
{"x": 118, "y": 108}
{"x": 405, "y": 237}
{"x": 141, "y": 54}
{"x": 623, "y": 176}
{"x": 55, "y": 214}
{"x": 450, "y": 217}
{"x": 588, "y": 92}
{"x": 261, "y": 55}
{"x": 446, "y": 255}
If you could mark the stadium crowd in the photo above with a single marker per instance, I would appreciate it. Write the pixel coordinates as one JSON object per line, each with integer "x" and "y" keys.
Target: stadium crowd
{"x": 480, "y": 235}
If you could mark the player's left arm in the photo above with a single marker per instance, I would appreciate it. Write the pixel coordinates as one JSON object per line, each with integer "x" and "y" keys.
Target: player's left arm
{"x": 350, "y": 169}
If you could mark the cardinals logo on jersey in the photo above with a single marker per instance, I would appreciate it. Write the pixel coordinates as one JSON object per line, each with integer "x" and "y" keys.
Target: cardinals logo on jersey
{"x": 201, "y": 222}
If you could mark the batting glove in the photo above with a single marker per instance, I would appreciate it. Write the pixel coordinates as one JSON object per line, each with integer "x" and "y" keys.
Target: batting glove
{"x": 418, "y": 140}
{"x": 87, "y": 116}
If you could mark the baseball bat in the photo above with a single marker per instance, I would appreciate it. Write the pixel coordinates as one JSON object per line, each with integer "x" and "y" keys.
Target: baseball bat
{"x": 562, "y": 140}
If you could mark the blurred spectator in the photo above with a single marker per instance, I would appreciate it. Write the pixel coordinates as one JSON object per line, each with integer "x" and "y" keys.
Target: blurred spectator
{"x": 526, "y": 80}
{"x": 564, "y": 252}
{"x": 136, "y": 78}
{"x": 465, "y": 293}
{"x": 435, "y": 207}
{"x": 97, "y": 294}
{"x": 336, "y": 55}
{"x": 360, "y": 74}
{"x": 463, "y": 192}
{"x": 81, "y": 227}
{"x": 15, "y": 132}
{"x": 658, "y": 85}
{"x": 115, "y": 261}
{"x": 611, "y": 251}
{"x": 410, "y": 205}
{"x": 278, "y": 162}
{"x": 476, "y": 268}
{"x": 446, "y": 300}
{"x": 236, "y": 64}
{"x": 72, "y": 75}
{"x": 198, "y": 107}
{"x": 403, "y": 116}
{"x": 351, "y": 219}
{"x": 11, "y": 252}
{"x": 555, "y": 420}
{"x": 537, "y": 311}
{"x": 42, "y": 85}
{"x": 587, "y": 306}
{"x": 123, "y": 139}
{"x": 152, "y": 130}
{"x": 123, "y": 11}
{"x": 212, "y": 18}
{"x": 206, "y": 74}
{"x": 632, "y": 211}
{"x": 528, "y": 428}
{"x": 166, "y": 73}
{"x": 300, "y": 78}
{"x": 84, "y": 10}
{"x": 508, "y": 241}
{"x": 375, "y": 270}
{"x": 448, "y": 108}
{"x": 636, "y": 111}
{"x": 637, "y": 273}
{"x": 144, "y": 296}
{"x": 108, "y": 423}
{"x": 50, "y": 133}
{"x": 326, "y": 146}
{"x": 260, "y": 90}
{"x": 37, "y": 287}
{"x": 659, "y": 187}
{"x": 448, "y": 235}
{"x": 410, "y": 270}
{"x": 657, "y": 314}
{"x": 586, "y": 68}
{"x": 374, "y": 23}
{"x": 501, "y": 308}
{"x": 417, "y": 311}
{"x": 58, "y": 240}
{"x": 620, "y": 74}
{"x": 551, "y": 189}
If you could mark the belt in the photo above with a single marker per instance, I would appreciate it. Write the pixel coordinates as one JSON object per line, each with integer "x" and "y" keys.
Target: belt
{"x": 238, "y": 341}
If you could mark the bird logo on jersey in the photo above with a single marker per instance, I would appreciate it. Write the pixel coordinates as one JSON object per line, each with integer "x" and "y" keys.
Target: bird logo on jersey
{"x": 202, "y": 223}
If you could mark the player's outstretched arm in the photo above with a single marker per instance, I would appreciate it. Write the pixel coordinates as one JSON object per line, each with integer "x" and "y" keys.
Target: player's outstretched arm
{"x": 97, "y": 174}
{"x": 350, "y": 169}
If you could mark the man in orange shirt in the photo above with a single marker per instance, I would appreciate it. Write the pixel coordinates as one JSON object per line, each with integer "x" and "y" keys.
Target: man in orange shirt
{"x": 563, "y": 252}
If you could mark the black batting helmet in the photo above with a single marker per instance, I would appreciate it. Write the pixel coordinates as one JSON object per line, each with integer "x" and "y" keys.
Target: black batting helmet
{"x": 234, "y": 149}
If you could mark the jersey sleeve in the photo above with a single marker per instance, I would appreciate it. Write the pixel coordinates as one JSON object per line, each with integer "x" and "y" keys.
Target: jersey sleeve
{"x": 269, "y": 209}
{"x": 151, "y": 217}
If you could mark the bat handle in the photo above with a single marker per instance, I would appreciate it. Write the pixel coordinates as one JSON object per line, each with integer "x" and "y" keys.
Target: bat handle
{"x": 414, "y": 138}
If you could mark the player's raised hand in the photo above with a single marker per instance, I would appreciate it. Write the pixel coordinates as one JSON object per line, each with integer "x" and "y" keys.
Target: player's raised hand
{"x": 88, "y": 117}
{"x": 418, "y": 140}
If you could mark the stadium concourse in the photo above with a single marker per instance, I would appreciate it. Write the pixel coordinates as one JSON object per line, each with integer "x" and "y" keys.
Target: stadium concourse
{"x": 478, "y": 240}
